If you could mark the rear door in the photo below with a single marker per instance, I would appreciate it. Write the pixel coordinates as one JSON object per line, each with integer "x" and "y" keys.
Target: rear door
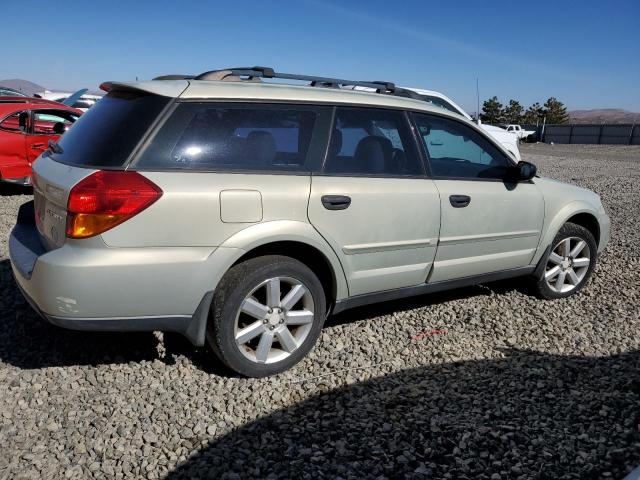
{"x": 373, "y": 203}
{"x": 488, "y": 224}
{"x": 13, "y": 145}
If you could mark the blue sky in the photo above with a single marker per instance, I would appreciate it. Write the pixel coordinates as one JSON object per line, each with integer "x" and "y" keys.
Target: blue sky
{"x": 584, "y": 53}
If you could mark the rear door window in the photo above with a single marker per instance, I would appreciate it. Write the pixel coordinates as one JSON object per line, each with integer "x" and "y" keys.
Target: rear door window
{"x": 232, "y": 136}
{"x": 370, "y": 141}
{"x": 16, "y": 122}
{"x": 108, "y": 133}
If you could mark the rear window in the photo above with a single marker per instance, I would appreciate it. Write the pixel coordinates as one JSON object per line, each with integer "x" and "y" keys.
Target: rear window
{"x": 232, "y": 136}
{"x": 106, "y": 135}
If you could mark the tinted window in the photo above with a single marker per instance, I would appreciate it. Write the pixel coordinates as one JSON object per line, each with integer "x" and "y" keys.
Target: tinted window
{"x": 457, "y": 151}
{"x": 106, "y": 135}
{"x": 233, "y": 136}
{"x": 371, "y": 142}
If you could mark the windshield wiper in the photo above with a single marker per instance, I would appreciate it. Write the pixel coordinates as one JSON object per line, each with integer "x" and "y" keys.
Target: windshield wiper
{"x": 55, "y": 147}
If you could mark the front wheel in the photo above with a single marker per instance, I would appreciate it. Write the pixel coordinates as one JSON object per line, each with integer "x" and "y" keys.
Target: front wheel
{"x": 267, "y": 315}
{"x": 569, "y": 263}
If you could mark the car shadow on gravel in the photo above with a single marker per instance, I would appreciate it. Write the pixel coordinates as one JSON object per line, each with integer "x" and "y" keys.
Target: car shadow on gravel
{"x": 401, "y": 305}
{"x": 527, "y": 415}
{"x": 9, "y": 190}
{"x": 27, "y": 341}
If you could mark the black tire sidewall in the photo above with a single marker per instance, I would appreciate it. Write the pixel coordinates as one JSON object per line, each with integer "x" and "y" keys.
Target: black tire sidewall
{"x": 231, "y": 292}
{"x": 568, "y": 230}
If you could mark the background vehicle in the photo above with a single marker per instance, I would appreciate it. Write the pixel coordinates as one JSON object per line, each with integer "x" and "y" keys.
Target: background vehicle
{"x": 240, "y": 214}
{"x": 84, "y": 102}
{"x": 10, "y": 92}
{"x": 518, "y": 131}
{"x": 506, "y": 138}
{"x": 26, "y": 126}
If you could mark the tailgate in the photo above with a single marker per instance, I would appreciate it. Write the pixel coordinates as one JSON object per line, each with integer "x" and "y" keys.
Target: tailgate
{"x": 52, "y": 182}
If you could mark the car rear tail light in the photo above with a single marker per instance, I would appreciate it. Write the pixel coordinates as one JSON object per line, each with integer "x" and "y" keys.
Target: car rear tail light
{"x": 105, "y": 199}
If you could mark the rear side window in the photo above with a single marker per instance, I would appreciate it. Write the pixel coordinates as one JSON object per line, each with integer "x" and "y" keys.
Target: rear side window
{"x": 369, "y": 141}
{"x": 216, "y": 136}
{"x": 107, "y": 134}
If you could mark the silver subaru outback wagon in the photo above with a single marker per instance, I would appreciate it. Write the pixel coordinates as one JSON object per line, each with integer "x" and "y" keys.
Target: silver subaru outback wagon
{"x": 240, "y": 212}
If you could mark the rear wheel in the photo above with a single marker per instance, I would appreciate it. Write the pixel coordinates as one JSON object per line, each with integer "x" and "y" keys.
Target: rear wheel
{"x": 569, "y": 263}
{"x": 267, "y": 315}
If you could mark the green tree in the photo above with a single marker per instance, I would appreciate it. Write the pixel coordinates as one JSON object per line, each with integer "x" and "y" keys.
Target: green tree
{"x": 534, "y": 114}
{"x": 492, "y": 110}
{"x": 555, "y": 111}
{"x": 513, "y": 112}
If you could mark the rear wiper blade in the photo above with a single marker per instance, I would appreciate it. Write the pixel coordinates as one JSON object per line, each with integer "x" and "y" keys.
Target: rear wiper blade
{"x": 55, "y": 147}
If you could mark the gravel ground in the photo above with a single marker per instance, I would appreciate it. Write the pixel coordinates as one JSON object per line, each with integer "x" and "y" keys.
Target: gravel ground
{"x": 484, "y": 382}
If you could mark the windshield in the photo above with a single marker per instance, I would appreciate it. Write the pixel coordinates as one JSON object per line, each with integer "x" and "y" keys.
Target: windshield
{"x": 107, "y": 134}
{"x": 439, "y": 102}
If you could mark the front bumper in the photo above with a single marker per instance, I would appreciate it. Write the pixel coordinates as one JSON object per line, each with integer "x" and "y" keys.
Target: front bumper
{"x": 86, "y": 285}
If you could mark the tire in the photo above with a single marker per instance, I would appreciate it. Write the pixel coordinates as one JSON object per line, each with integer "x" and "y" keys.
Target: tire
{"x": 247, "y": 300}
{"x": 555, "y": 266}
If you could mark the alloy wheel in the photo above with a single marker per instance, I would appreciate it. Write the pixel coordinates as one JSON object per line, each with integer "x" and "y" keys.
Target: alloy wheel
{"x": 274, "y": 319}
{"x": 568, "y": 264}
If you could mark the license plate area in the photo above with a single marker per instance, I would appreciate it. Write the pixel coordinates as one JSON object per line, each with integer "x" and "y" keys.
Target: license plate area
{"x": 50, "y": 220}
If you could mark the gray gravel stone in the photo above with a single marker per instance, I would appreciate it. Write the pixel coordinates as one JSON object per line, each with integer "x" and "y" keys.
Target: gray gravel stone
{"x": 516, "y": 387}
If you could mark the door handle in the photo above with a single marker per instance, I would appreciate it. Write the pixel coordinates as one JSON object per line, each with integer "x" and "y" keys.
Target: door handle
{"x": 336, "y": 202}
{"x": 37, "y": 145}
{"x": 459, "y": 201}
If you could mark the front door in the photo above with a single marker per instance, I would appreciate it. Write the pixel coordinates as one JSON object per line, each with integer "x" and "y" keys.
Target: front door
{"x": 488, "y": 224}
{"x": 46, "y": 124}
{"x": 373, "y": 203}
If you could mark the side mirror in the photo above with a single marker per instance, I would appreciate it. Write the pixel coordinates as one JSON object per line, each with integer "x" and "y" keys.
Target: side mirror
{"x": 526, "y": 170}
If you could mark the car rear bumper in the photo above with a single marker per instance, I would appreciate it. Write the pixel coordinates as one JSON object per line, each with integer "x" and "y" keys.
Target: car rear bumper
{"x": 86, "y": 285}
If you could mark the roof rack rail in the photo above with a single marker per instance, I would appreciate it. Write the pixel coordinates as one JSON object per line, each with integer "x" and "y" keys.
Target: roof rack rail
{"x": 256, "y": 74}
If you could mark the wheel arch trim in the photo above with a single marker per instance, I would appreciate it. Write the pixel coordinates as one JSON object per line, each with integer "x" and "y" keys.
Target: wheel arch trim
{"x": 265, "y": 233}
{"x": 559, "y": 219}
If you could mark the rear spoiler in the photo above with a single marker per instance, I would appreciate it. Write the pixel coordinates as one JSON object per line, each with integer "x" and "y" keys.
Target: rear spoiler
{"x": 165, "y": 88}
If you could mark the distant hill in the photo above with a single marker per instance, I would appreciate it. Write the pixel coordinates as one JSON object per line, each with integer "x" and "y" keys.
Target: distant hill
{"x": 603, "y": 115}
{"x": 24, "y": 86}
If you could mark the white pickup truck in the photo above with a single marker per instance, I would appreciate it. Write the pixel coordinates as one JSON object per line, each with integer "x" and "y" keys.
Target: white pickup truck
{"x": 519, "y": 131}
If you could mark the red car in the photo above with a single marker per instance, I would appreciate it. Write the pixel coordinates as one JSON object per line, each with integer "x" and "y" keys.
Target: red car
{"x": 26, "y": 126}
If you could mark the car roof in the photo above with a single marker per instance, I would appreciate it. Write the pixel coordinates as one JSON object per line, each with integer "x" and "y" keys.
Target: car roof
{"x": 245, "y": 90}
{"x": 10, "y": 105}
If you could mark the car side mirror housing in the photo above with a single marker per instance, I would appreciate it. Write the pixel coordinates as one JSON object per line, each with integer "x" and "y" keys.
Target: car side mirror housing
{"x": 526, "y": 170}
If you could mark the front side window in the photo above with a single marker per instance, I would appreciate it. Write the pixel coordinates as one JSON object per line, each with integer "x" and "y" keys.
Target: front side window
{"x": 49, "y": 122}
{"x": 456, "y": 150}
{"x": 369, "y": 141}
{"x": 210, "y": 136}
